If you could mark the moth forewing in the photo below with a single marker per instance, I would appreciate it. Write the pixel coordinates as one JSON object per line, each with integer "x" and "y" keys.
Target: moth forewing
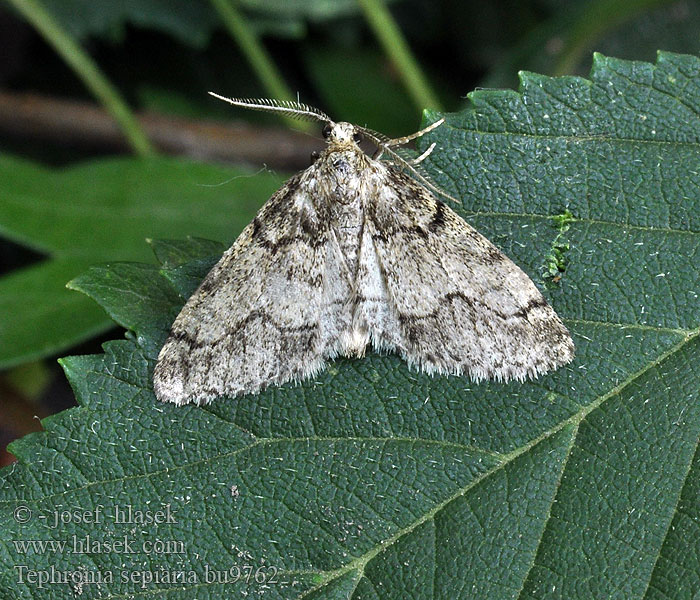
{"x": 349, "y": 253}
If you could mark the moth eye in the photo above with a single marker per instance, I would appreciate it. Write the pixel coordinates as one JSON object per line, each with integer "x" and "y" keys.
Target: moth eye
{"x": 314, "y": 156}
{"x": 357, "y": 137}
{"x": 326, "y": 131}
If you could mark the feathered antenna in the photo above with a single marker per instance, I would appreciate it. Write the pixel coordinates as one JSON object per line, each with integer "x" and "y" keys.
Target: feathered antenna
{"x": 296, "y": 110}
{"x": 386, "y": 145}
{"x": 383, "y": 143}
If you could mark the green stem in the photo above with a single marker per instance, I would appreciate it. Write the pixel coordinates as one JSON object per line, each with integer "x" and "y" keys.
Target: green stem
{"x": 258, "y": 58}
{"x": 87, "y": 70}
{"x": 395, "y": 46}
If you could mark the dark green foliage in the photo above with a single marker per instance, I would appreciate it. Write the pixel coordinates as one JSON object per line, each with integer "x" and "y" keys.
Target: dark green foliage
{"x": 374, "y": 481}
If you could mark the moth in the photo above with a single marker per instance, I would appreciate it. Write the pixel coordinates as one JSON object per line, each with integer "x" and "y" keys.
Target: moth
{"x": 356, "y": 251}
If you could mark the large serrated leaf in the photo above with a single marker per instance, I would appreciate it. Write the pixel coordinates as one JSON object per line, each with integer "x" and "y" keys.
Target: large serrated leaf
{"x": 375, "y": 481}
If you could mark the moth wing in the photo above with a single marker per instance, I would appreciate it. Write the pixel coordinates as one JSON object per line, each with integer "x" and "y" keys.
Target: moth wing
{"x": 454, "y": 302}
{"x": 265, "y": 312}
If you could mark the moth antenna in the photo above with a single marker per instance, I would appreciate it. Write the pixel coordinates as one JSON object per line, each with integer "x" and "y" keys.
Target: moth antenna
{"x": 425, "y": 154}
{"x": 419, "y": 173}
{"x": 385, "y": 143}
{"x": 407, "y": 138}
{"x": 289, "y": 108}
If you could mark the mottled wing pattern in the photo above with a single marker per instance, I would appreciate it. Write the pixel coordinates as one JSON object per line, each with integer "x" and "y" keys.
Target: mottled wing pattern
{"x": 266, "y": 312}
{"x": 456, "y": 304}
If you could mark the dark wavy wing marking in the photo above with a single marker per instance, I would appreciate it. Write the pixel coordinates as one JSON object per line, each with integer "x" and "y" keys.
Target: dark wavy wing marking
{"x": 263, "y": 313}
{"x": 462, "y": 306}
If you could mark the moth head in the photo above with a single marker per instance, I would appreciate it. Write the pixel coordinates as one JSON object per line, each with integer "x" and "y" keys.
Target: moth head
{"x": 341, "y": 133}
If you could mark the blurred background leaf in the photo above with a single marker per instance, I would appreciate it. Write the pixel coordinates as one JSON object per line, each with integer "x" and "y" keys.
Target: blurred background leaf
{"x": 562, "y": 43}
{"x": 94, "y": 212}
{"x": 191, "y": 22}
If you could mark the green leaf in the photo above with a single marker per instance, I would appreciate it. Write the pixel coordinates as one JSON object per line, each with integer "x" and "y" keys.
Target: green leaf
{"x": 561, "y": 44}
{"x": 375, "y": 481}
{"x": 382, "y": 104}
{"x": 98, "y": 211}
{"x": 317, "y": 10}
{"x": 191, "y": 21}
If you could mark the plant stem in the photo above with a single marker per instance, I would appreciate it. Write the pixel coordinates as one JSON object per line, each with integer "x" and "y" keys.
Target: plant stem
{"x": 87, "y": 70}
{"x": 258, "y": 58}
{"x": 395, "y": 46}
